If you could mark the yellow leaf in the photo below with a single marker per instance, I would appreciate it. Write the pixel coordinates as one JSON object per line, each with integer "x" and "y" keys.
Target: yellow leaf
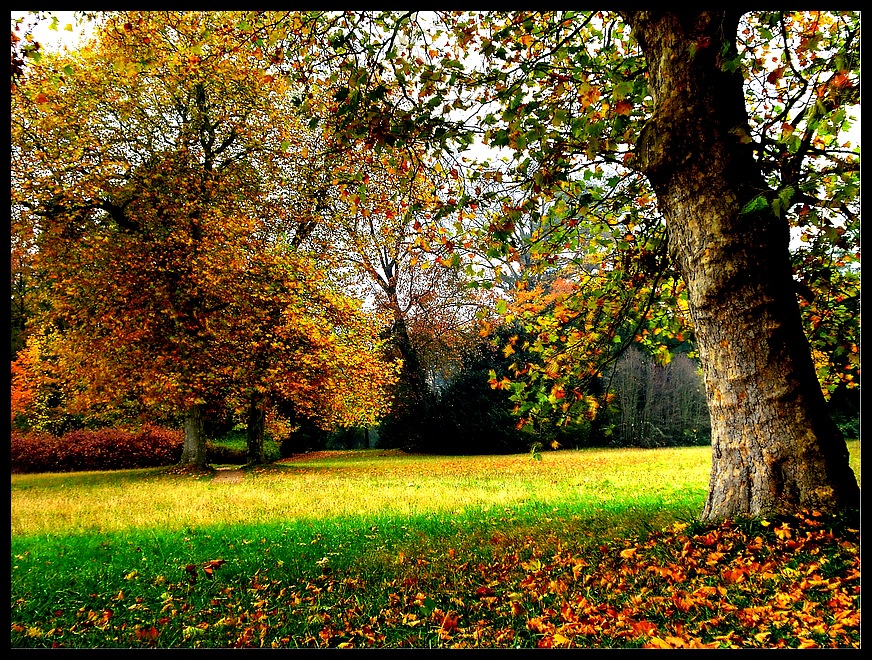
{"x": 657, "y": 643}
{"x": 190, "y": 631}
{"x": 629, "y": 552}
{"x": 561, "y": 640}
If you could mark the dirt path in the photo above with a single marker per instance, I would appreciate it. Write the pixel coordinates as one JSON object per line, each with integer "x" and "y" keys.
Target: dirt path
{"x": 228, "y": 476}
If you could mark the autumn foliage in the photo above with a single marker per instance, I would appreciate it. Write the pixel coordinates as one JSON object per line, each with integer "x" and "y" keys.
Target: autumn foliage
{"x": 783, "y": 584}
{"x": 103, "y": 449}
{"x": 175, "y": 270}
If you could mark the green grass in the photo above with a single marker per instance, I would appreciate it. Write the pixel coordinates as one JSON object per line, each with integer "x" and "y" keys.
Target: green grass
{"x": 382, "y": 542}
{"x": 232, "y": 448}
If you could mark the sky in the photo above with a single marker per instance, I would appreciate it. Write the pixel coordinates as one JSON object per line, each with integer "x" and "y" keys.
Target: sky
{"x": 60, "y": 37}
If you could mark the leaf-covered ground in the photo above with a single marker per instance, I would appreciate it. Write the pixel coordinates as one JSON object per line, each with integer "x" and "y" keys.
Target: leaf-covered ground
{"x": 788, "y": 582}
{"x": 791, "y": 583}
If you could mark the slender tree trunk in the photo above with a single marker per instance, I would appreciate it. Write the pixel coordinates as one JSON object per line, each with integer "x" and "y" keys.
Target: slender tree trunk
{"x": 194, "y": 449}
{"x": 254, "y": 435}
{"x": 774, "y": 446}
{"x": 413, "y": 400}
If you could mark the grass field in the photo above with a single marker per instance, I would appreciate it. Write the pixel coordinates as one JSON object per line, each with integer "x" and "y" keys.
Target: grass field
{"x": 372, "y": 548}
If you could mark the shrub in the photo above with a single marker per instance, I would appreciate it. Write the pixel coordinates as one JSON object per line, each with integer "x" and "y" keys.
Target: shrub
{"x": 468, "y": 416}
{"x": 103, "y": 449}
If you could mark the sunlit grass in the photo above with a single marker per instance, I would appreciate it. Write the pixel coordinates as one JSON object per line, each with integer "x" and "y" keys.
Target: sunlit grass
{"x": 365, "y": 482}
{"x": 357, "y": 483}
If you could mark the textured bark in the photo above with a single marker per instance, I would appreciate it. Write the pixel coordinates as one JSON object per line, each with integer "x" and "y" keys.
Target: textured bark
{"x": 194, "y": 449}
{"x": 254, "y": 431}
{"x": 774, "y": 446}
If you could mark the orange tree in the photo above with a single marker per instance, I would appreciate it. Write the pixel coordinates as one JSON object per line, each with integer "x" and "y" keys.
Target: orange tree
{"x": 156, "y": 191}
{"x": 730, "y": 123}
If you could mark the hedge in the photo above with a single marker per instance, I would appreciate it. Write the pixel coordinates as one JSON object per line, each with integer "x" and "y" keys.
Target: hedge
{"x": 103, "y": 449}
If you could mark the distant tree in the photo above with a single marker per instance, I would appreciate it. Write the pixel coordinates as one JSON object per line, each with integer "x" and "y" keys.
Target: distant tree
{"x": 656, "y": 404}
{"x": 468, "y": 416}
{"x": 381, "y": 221}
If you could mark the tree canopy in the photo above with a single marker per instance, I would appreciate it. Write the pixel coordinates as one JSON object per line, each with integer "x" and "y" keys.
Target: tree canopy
{"x": 169, "y": 225}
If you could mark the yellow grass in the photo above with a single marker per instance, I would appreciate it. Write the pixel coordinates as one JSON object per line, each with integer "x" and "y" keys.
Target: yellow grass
{"x": 364, "y": 482}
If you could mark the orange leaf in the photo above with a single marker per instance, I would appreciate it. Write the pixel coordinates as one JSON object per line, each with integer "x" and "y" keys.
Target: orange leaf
{"x": 643, "y": 628}
{"x": 449, "y": 622}
{"x": 623, "y": 108}
{"x": 148, "y": 633}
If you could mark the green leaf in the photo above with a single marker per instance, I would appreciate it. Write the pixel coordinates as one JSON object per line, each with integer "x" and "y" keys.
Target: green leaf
{"x": 622, "y": 89}
{"x": 757, "y": 204}
{"x": 429, "y": 605}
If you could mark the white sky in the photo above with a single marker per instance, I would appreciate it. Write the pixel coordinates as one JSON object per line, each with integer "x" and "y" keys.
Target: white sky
{"x": 60, "y": 37}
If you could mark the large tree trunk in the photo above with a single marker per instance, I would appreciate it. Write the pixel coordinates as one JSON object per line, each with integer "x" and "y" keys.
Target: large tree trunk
{"x": 774, "y": 446}
{"x": 194, "y": 449}
{"x": 254, "y": 434}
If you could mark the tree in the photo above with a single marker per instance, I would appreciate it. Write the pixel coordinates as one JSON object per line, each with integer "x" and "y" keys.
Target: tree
{"x": 657, "y": 404}
{"x": 657, "y": 101}
{"x": 166, "y": 225}
{"x": 380, "y": 223}
{"x": 774, "y": 444}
